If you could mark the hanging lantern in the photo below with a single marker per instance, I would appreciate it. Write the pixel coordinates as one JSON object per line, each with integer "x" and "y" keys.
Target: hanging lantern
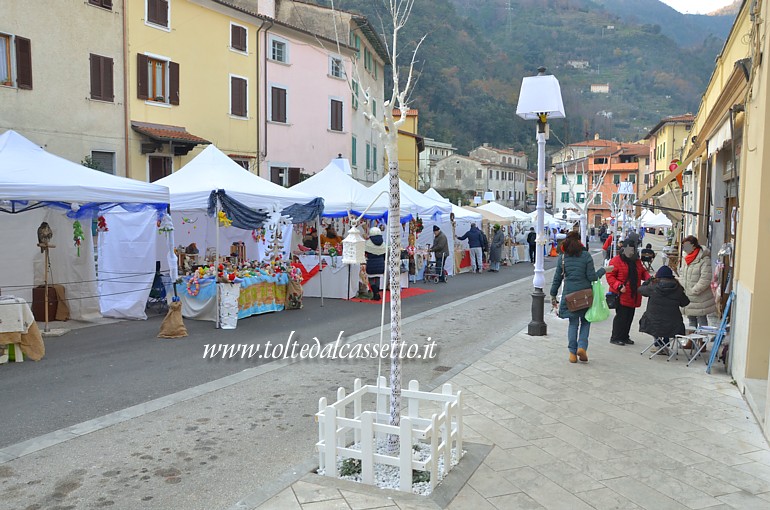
{"x": 353, "y": 247}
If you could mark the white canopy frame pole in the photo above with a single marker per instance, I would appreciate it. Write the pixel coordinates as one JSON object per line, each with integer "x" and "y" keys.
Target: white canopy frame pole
{"x": 216, "y": 259}
{"x": 320, "y": 258}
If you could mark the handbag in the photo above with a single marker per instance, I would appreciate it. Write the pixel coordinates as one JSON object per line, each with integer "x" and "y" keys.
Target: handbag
{"x": 578, "y": 300}
{"x": 612, "y": 300}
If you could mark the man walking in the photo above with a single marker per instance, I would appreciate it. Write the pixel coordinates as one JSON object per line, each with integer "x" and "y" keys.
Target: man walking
{"x": 475, "y": 241}
{"x": 532, "y": 241}
{"x": 441, "y": 249}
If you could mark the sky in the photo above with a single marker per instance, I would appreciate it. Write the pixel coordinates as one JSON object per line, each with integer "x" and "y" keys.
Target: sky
{"x": 697, "y": 6}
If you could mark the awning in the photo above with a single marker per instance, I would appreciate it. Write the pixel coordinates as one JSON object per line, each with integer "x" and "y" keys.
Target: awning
{"x": 662, "y": 184}
{"x": 720, "y": 138}
{"x": 176, "y": 136}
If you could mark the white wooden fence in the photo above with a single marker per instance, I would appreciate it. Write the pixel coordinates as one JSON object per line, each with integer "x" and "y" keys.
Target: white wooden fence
{"x": 339, "y": 428}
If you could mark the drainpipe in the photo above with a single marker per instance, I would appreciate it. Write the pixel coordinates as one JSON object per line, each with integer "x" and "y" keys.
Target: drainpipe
{"x": 262, "y": 151}
{"x": 126, "y": 120}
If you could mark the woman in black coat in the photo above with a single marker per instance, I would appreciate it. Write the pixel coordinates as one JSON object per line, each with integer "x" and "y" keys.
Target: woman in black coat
{"x": 375, "y": 260}
{"x": 665, "y": 296}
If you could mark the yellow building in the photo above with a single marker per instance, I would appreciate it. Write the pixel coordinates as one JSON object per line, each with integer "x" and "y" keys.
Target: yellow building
{"x": 410, "y": 145}
{"x": 727, "y": 178}
{"x": 191, "y": 76}
{"x": 667, "y": 142}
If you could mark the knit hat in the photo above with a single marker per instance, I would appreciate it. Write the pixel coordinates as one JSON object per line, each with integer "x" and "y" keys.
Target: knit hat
{"x": 664, "y": 272}
{"x": 435, "y": 228}
{"x": 496, "y": 227}
{"x": 374, "y": 231}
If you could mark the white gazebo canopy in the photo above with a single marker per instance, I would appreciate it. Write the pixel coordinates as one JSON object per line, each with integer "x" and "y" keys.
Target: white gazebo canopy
{"x": 343, "y": 194}
{"x": 211, "y": 170}
{"x": 505, "y": 212}
{"x": 411, "y": 199}
{"x": 29, "y": 173}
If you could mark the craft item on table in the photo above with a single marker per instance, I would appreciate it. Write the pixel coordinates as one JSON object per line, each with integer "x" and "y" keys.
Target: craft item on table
{"x": 194, "y": 285}
{"x": 77, "y": 234}
{"x": 224, "y": 221}
{"x": 258, "y": 234}
{"x": 165, "y": 224}
{"x": 44, "y": 235}
{"x": 101, "y": 224}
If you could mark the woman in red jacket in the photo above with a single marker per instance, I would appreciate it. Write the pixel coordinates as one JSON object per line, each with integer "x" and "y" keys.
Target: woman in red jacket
{"x": 625, "y": 281}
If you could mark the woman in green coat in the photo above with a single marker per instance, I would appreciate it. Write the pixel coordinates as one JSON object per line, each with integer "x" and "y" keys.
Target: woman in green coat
{"x": 575, "y": 268}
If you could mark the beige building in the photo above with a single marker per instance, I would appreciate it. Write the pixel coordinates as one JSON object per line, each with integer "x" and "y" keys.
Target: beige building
{"x": 506, "y": 174}
{"x": 667, "y": 142}
{"x": 725, "y": 155}
{"x": 433, "y": 153}
{"x": 61, "y": 81}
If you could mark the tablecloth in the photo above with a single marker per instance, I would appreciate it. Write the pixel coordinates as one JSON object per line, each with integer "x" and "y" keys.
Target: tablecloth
{"x": 18, "y": 326}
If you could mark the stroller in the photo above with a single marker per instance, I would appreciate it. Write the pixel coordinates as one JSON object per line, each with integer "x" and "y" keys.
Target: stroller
{"x": 432, "y": 274}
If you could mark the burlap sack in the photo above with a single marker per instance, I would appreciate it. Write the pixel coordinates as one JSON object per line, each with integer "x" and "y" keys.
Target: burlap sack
{"x": 173, "y": 325}
{"x": 293, "y": 296}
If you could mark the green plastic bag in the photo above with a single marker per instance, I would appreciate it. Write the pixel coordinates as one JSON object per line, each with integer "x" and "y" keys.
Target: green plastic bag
{"x": 599, "y": 311}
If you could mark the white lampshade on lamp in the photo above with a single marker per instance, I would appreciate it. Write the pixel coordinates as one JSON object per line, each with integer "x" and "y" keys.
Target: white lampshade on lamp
{"x": 539, "y": 95}
{"x": 540, "y": 100}
{"x": 353, "y": 247}
{"x": 489, "y": 196}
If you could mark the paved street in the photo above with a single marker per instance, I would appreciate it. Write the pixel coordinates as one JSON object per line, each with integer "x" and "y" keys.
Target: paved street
{"x": 622, "y": 431}
{"x": 98, "y": 370}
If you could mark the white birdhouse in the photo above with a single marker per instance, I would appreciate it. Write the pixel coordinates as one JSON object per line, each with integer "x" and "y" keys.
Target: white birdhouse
{"x": 353, "y": 247}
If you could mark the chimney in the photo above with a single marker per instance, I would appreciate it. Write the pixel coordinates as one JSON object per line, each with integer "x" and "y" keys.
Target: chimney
{"x": 596, "y": 136}
{"x": 485, "y": 144}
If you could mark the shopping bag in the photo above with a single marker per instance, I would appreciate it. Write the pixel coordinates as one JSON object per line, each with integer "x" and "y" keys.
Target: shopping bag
{"x": 598, "y": 310}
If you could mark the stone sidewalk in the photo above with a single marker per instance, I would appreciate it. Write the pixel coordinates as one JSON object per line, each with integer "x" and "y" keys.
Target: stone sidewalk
{"x": 619, "y": 432}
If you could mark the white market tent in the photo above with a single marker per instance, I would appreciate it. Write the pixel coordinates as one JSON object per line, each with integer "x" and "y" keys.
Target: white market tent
{"x": 505, "y": 212}
{"x": 659, "y": 220}
{"x": 343, "y": 194}
{"x": 412, "y": 200}
{"x": 37, "y": 186}
{"x": 191, "y": 187}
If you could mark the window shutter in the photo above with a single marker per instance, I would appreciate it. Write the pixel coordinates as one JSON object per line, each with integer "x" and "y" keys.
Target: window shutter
{"x": 336, "y": 115}
{"x": 96, "y": 76}
{"x": 163, "y": 12}
{"x": 173, "y": 80}
{"x": 107, "y": 82}
{"x": 23, "y": 63}
{"x": 293, "y": 176}
{"x": 238, "y": 38}
{"x": 279, "y": 105}
{"x": 141, "y": 76}
{"x": 238, "y": 97}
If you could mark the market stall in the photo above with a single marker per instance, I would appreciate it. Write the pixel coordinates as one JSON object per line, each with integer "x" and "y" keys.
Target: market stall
{"x": 418, "y": 237}
{"x": 50, "y": 196}
{"x": 237, "y": 225}
{"x": 344, "y": 198}
{"x": 459, "y": 220}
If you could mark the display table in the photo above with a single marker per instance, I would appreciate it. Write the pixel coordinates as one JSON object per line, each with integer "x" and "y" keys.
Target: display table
{"x": 257, "y": 295}
{"x": 520, "y": 253}
{"x": 18, "y": 327}
{"x": 340, "y": 281}
{"x": 462, "y": 261}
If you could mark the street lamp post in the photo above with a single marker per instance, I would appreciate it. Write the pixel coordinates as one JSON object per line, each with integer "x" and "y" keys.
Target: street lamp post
{"x": 540, "y": 99}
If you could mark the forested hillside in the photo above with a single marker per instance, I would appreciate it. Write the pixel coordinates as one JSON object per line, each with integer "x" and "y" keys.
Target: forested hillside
{"x": 471, "y": 65}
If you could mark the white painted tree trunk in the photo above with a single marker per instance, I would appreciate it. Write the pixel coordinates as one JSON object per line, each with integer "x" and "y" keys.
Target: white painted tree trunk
{"x": 394, "y": 270}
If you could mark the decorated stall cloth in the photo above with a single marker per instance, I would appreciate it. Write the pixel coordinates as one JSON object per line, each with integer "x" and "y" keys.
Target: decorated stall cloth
{"x": 262, "y": 294}
{"x": 246, "y": 218}
{"x": 258, "y": 294}
{"x": 307, "y": 274}
{"x": 242, "y": 216}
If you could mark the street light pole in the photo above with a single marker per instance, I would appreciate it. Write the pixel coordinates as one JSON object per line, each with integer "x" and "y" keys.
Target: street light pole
{"x": 539, "y": 99}
{"x": 537, "y": 326}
